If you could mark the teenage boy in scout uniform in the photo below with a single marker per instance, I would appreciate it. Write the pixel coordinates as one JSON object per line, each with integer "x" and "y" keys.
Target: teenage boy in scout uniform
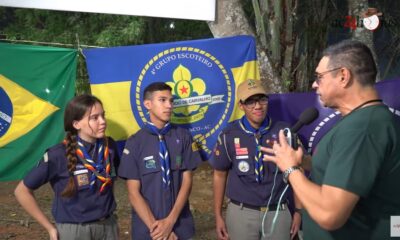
{"x": 252, "y": 185}
{"x": 157, "y": 163}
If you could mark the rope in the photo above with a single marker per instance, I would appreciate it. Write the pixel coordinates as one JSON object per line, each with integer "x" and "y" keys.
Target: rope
{"x": 50, "y": 43}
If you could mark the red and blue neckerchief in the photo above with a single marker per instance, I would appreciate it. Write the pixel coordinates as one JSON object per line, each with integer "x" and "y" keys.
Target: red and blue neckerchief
{"x": 257, "y": 133}
{"x": 101, "y": 168}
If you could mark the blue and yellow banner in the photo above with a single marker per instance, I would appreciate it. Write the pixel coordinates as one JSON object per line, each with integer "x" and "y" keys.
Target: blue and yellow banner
{"x": 203, "y": 75}
{"x": 35, "y": 85}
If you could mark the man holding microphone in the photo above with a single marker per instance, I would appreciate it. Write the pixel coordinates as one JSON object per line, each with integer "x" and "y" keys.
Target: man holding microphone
{"x": 354, "y": 166}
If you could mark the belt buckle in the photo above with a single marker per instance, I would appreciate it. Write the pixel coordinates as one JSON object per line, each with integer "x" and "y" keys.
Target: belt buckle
{"x": 263, "y": 209}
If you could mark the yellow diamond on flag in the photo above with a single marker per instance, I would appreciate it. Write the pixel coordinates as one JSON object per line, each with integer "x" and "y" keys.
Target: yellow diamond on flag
{"x": 28, "y": 111}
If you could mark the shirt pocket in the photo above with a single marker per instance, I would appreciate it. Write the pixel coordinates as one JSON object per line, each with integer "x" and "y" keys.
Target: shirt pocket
{"x": 151, "y": 176}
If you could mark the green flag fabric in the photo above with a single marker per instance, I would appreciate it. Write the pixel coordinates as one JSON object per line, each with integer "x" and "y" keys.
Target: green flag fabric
{"x": 35, "y": 84}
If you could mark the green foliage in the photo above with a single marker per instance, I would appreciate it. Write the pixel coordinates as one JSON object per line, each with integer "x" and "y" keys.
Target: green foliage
{"x": 74, "y": 29}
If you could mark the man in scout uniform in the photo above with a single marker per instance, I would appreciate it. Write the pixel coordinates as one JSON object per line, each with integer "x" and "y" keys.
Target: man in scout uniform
{"x": 252, "y": 186}
{"x": 157, "y": 163}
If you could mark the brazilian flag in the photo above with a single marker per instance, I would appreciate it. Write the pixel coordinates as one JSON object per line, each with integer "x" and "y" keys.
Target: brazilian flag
{"x": 35, "y": 84}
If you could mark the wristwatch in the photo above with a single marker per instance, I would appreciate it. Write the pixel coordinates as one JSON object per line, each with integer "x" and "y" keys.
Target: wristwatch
{"x": 288, "y": 171}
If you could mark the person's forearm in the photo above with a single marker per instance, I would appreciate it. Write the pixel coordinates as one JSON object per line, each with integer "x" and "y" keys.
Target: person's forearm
{"x": 139, "y": 204}
{"x": 329, "y": 206}
{"x": 308, "y": 194}
{"x": 183, "y": 196}
{"x": 27, "y": 200}
{"x": 219, "y": 181}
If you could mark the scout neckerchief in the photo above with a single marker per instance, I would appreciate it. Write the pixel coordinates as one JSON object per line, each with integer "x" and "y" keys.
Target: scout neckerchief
{"x": 163, "y": 152}
{"x": 97, "y": 168}
{"x": 257, "y": 133}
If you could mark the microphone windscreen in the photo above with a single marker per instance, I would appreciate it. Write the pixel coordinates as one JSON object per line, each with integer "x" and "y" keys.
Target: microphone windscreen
{"x": 308, "y": 115}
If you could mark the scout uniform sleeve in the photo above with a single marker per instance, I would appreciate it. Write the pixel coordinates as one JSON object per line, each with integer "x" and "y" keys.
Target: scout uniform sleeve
{"x": 39, "y": 175}
{"x": 191, "y": 155}
{"x": 128, "y": 168}
{"x": 220, "y": 158}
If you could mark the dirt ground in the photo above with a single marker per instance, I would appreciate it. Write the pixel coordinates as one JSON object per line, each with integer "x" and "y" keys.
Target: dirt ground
{"x": 15, "y": 224}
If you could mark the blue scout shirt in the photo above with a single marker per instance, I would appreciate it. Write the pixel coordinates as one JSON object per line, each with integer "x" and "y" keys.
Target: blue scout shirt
{"x": 141, "y": 161}
{"x": 235, "y": 152}
{"x": 87, "y": 204}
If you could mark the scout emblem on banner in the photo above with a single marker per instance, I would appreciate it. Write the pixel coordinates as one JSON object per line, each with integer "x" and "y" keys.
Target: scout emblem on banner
{"x": 200, "y": 103}
{"x": 35, "y": 85}
{"x": 203, "y": 75}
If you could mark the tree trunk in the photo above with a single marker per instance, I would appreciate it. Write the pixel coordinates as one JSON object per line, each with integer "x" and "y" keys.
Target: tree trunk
{"x": 362, "y": 34}
{"x": 231, "y": 20}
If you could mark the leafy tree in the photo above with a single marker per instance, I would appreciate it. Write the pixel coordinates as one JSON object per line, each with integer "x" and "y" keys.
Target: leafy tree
{"x": 75, "y": 29}
{"x": 291, "y": 34}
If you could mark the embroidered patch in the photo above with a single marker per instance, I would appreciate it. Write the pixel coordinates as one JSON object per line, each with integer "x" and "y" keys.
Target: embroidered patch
{"x": 178, "y": 161}
{"x": 46, "y": 157}
{"x": 149, "y": 162}
{"x": 237, "y": 142}
{"x": 82, "y": 179}
{"x": 243, "y": 166}
{"x": 126, "y": 151}
{"x": 216, "y": 152}
{"x": 241, "y": 151}
{"x": 80, "y": 169}
{"x": 242, "y": 157}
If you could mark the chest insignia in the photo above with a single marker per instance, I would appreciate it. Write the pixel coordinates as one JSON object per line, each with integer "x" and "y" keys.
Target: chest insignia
{"x": 149, "y": 162}
{"x": 243, "y": 166}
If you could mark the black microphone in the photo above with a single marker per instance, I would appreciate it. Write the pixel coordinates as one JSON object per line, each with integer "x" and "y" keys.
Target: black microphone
{"x": 306, "y": 117}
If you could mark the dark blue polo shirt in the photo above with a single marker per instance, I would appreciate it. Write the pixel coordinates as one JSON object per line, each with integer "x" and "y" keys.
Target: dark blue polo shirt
{"x": 141, "y": 161}
{"x": 87, "y": 204}
{"x": 234, "y": 152}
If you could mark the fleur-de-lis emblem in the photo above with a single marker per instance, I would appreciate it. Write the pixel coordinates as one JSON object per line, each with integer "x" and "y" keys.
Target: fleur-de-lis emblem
{"x": 183, "y": 86}
{"x": 251, "y": 83}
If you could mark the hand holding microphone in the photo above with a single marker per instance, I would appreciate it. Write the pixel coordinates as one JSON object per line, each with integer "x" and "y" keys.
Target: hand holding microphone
{"x": 285, "y": 153}
{"x": 306, "y": 117}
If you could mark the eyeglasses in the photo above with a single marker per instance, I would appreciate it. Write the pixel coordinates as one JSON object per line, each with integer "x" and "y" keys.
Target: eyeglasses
{"x": 251, "y": 103}
{"x": 318, "y": 76}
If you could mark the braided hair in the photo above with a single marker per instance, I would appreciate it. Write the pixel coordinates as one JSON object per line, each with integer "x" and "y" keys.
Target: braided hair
{"x": 75, "y": 111}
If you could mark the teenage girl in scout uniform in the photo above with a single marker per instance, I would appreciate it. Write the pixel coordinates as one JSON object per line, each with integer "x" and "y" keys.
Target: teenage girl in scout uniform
{"x": 81, "y": 171}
